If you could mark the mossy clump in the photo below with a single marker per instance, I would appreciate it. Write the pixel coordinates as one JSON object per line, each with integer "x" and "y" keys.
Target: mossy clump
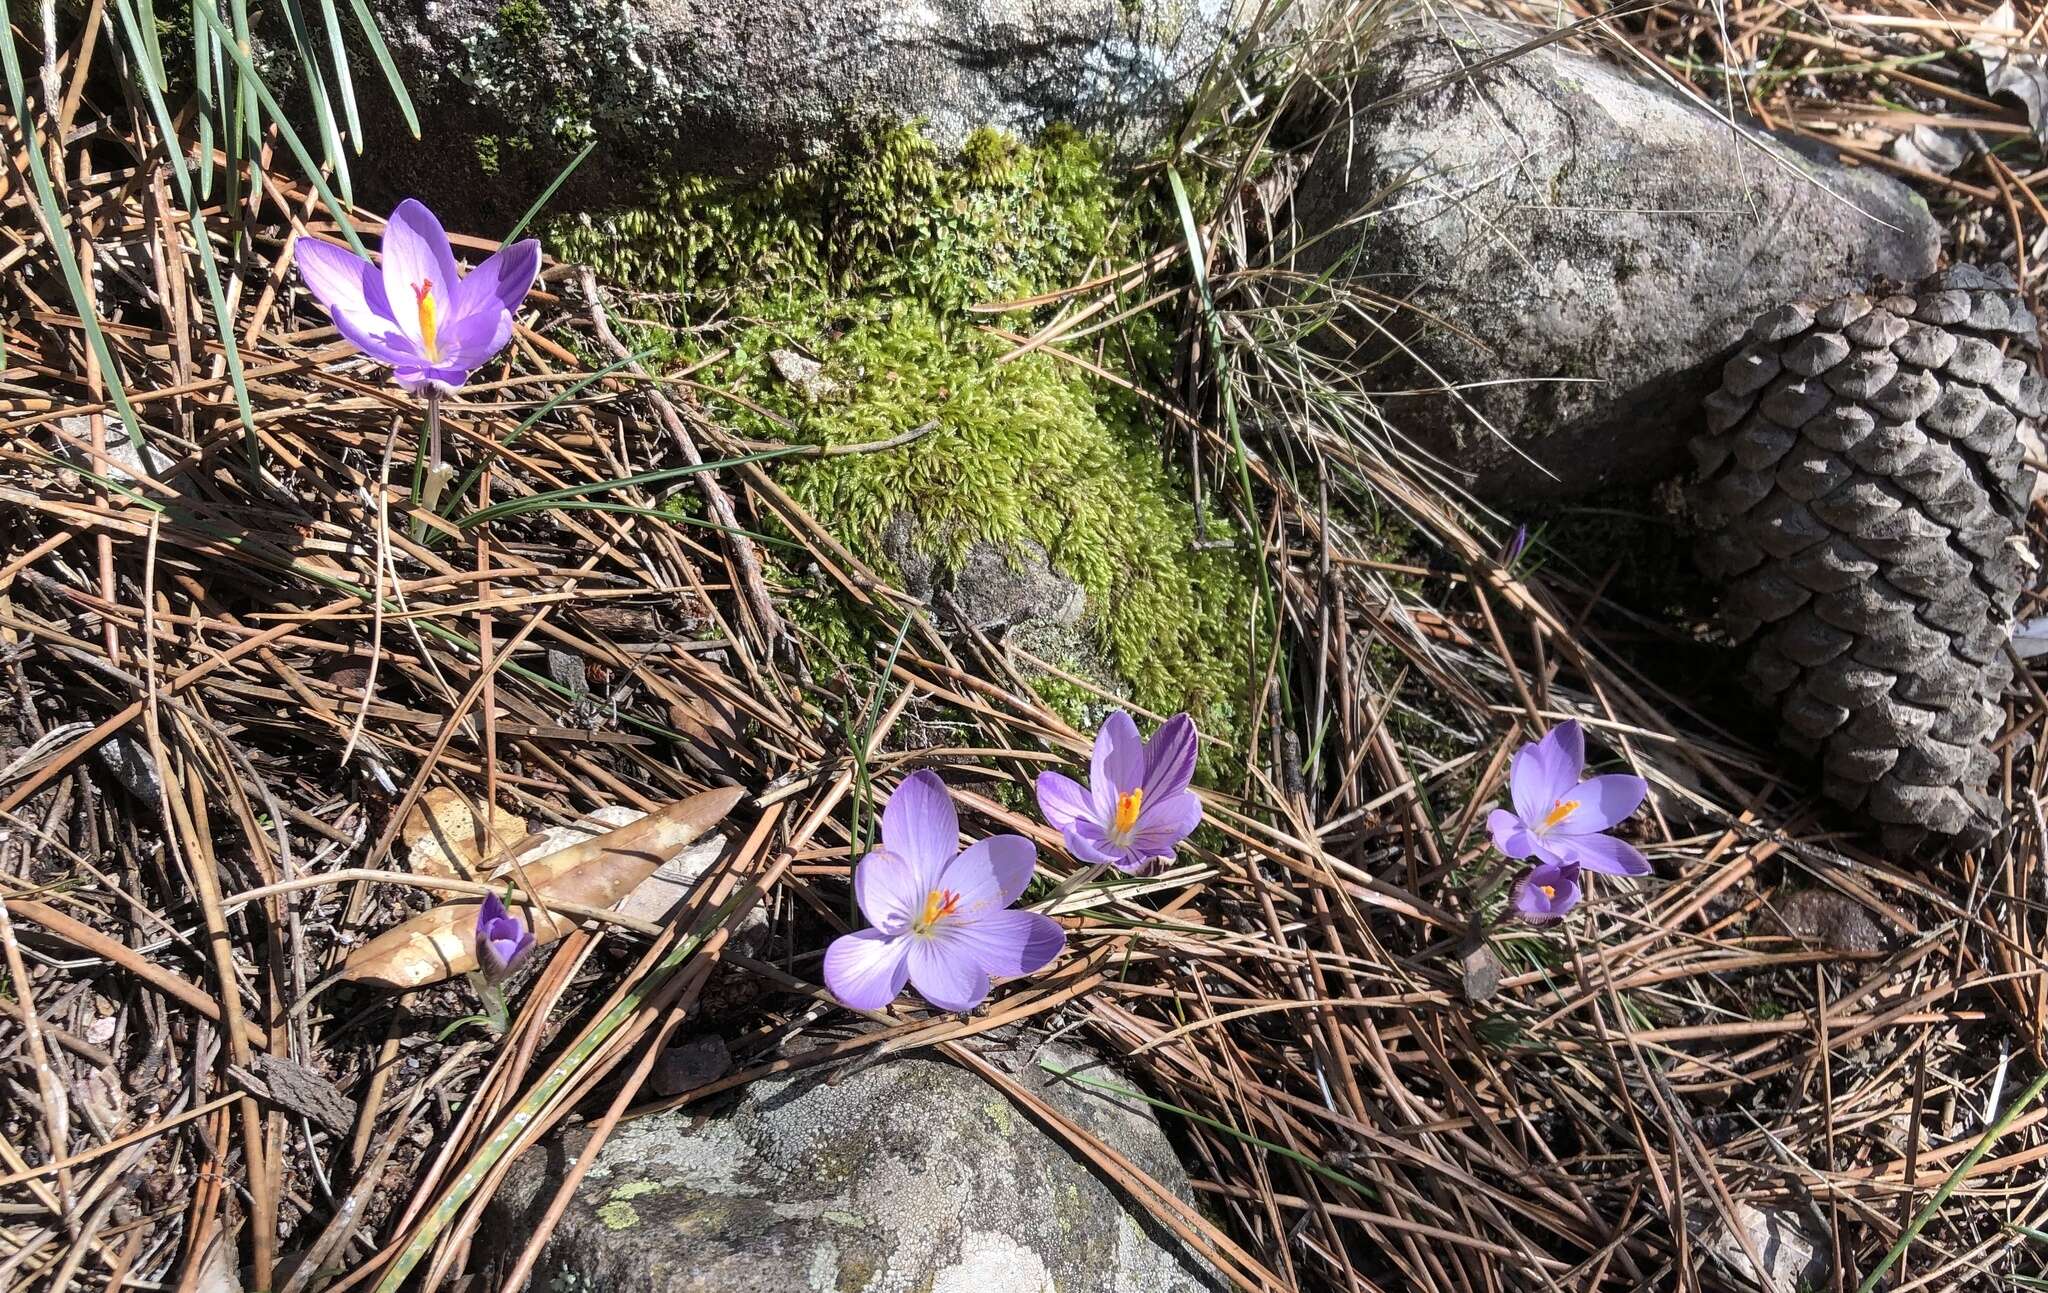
{"x": 870, "y": 262}
{"x": 884, "y": 215}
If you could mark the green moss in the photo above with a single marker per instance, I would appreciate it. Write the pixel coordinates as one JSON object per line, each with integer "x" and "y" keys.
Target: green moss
{"x": 869, "y": 261}
{"x": 884, "y": 215}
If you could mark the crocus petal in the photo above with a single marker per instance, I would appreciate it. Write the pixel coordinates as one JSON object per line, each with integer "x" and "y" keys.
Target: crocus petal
{"x": 1602, "y": 853}
{"x": 1087, "y": 841}
{"x": 1534, "y": 903}
{"x": 1170, "y": 759}
{"x": 1545, "y": 771}
{"x": 1164, "y": 823}
{"x": 1118, "y": 765}
{"x": 1062, "y": 801}
{"x": 467, "y": 343}
{"x": 1510, "y": 836}
{"x": 920, "y": 825}
{"x": 500, "y": 283}
{"x": 1008, "y": 943}
{"x": 353, "y": 293}
{"x": 946, "y": 973}
{"x": 491, "y": 912}
{"x": 990, "y": 874}
{"x": 416, "y": 253}
{"x": 414, "y": 374}
{"x": 866, "y": 970}
{"x": 887, "y": 889}
{"x": 1603, "y": 802}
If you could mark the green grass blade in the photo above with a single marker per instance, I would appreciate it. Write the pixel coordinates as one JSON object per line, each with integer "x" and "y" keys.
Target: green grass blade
{"x": 375, "y": 40}
{"x": 316, "y": 90}
{"x": 53, "y": 225}
{"x": 247, "y": 118}
{"x": 223, "y": 318}
{"x": 290, "y": 136}
{"x": 206, "y": 78}
{"x": 150, "y": 42}
{"x": 549, "y": 192}
{"x": 338, "y": 53}
{"x": 1954, "y": 1181}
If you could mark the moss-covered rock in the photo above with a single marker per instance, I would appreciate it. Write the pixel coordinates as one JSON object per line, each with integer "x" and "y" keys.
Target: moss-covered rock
{"x": 871, "y": 264}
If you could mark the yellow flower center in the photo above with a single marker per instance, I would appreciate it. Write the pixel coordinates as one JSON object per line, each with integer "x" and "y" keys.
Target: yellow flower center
{"x": 1562, "y": 809}
{"x": 1549, "y": 891}
{"x": 937, "y": 903}
{"x": 423, "y": 293}
{"x": 1127, "y": 805}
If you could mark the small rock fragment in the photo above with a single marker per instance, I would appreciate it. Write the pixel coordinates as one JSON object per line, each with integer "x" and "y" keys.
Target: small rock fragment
{"x": 807, "y": 375}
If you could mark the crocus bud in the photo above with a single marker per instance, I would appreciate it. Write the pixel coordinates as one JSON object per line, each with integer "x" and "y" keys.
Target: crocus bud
{"x": 502, "y": 940}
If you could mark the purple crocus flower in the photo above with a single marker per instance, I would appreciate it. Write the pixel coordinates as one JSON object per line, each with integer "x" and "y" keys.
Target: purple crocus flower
{"x": 1137, "y": 807}
{"x": 1547, "y": 892}
{"x": 940, "y": 915}
{"x": 1557, "y": 818}
{"x": 418, "y": 313}
{"x": 502, "y": 939}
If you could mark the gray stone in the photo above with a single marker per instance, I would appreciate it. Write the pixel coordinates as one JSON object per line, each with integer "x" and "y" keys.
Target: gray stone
{"x": 508, "y": 90}
{"x": 908, "y": 1174}
{"x": 991, "y": 587}
{"x": 1581, "y": 250}
{"x": 1794, "y": 1257}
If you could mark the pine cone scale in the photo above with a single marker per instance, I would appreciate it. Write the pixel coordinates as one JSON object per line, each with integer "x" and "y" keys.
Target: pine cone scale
{"x": 1861, "y": 494}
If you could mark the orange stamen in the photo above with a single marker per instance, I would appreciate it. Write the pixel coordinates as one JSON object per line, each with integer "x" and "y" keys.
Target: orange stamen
{"x": 1562, "y": 809}
{"x": 937, "y": 903}
{"x": 1549, "y": 891}
{"x": 1127, "y": 805}
{"x": 423, "y": 294}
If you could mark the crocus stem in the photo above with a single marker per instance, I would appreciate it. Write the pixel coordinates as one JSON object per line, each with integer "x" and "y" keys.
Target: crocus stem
{"x": 439, "y": 473}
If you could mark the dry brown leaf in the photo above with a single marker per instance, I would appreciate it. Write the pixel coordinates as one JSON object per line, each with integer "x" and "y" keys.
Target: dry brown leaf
{"x": 596, "y": 872}
{"x": 443, "y": 836}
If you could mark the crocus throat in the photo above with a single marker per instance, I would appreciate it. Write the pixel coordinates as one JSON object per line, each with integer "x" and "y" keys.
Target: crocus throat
{"x": 1127, "y": 805}
{"x": 1562, "y": 809}
{"x": 937, "y": 903}
{"x": 423, "y": 293}
{"x": 1549, "y": 891}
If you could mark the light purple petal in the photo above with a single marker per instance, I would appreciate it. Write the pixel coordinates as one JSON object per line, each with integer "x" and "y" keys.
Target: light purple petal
{"x": 1510, "y": 836}
{"x": 467, "y": 343}
{"x": 1602, "y": 853}
{"x": 416, "y": 253}
{"x": 1170, "y": 758}
{"x": 413, "y": 374}
{"x": 1164, "y": 823}
{"x": 1008, "y": 943}
{"x": 1544, "y": 771}
{"x": 1062, "y": 801}
{"x": 500, "y": 283}
{"x": 990, "y": 874}
{"x": 946, "y": 973}
{"x": 867, "y": 970}
{"x": 887, "y": 889}
{"x": 1547, "y": 892}
{"x": 919, "y": 824}
{"x": 1603, "y": 802}
{"x": 1088, "y": 843}
{"x": 353, "y": 292}
{"x": 1118, "y": 765}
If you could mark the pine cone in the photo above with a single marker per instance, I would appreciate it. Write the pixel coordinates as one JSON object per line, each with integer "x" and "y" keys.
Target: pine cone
{"x": 1862, "y": 498}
